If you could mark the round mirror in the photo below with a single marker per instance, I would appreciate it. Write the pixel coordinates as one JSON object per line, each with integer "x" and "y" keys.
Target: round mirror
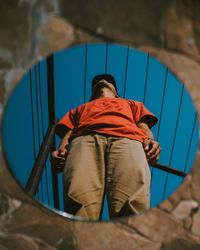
{"x": 106, "y": 172}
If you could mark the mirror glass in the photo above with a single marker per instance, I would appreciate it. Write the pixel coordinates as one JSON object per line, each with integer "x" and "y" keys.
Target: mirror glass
{"x": 62, "y": 82}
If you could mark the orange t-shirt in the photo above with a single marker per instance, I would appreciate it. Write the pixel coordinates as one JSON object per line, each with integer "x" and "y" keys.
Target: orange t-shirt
{"x": 107, "y": 115}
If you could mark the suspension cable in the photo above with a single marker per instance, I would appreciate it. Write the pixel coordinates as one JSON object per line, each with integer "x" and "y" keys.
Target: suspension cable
{"x": 32, "y": 119}
{"x": 126, "y": 70}
{"x": 38, "y": 122}
{"x": 161, "y": 111}
{"x": 42, "y": 124}
{"x": 146, "y": 78}
{"x": 174, "y": 139}
{"x": 85, "y": 72}
{"x": 190, "y": 143}
{"x": 106, "y": 64}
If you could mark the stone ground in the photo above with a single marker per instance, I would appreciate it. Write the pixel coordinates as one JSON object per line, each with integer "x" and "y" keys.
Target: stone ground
{"x": 30, "y": 30}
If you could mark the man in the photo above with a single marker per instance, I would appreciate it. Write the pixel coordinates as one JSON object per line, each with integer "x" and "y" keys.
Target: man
{"x": 106, "y": 147}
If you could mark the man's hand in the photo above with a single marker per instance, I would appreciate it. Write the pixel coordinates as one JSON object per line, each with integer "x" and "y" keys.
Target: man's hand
{"x": 152, "y": 150}
{"x": 58, "y": 158}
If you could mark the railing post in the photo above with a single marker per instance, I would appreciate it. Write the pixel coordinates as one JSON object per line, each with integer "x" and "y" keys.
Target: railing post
{"x": 170, "y": 170}
{"x": 37, "y": 170}
{"x": 52, "y": 121}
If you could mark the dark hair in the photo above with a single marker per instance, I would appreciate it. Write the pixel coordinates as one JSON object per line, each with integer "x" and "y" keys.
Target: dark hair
{"x": 106, "y": 77}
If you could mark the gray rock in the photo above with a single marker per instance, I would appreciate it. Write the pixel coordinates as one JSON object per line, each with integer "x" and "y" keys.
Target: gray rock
{"x": 176, "y": 38}
{"x": 22, "y": 242}
{"x": 156, "y": 225}
{"x": 8, "y": 205}
{"x": 56, "y": 34}
{"x": 180, "y": 244}
{"x": 195, "y": 181}
{"x": 17, "y": 242}
{"x": 188, "y": 223}
{"x": 166, "y": 206}
{"x": 135, "y": 22}
{"x": 196, "y": 224}
{"x": 169, "y": 30}
{"x": 185, "y": 209}
{"x": 90, "y": 236}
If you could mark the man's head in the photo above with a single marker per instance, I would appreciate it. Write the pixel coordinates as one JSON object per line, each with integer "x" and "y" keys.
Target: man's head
{"x": 104, "y": 85}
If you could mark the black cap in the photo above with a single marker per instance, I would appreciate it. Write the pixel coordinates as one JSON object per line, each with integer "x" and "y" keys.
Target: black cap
{"x": 106, "y": 77}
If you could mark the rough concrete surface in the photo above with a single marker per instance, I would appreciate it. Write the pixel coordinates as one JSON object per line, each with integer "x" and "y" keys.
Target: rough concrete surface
{"x": 29, "y": 31}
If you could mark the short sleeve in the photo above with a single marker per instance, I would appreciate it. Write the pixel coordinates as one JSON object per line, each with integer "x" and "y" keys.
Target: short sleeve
{"x": 142, "y": 114}
{"x": 67, "y": 122}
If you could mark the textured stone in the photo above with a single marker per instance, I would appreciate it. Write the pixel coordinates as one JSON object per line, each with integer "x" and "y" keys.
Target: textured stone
{"x": 114, "y": 236}
{"x": 12, "y": 27}
{"x": 196, "y": 21}
{"x": 7, "y": 180}
{"x": 39, "y": 223}
{"x": 2, "y": 247}
{"x": 195, "y": 181}
{"x": 2, "y": 88}
{"x": 143, "y": 27}
{"x": 1, "y": 109}
{"x": 84, "y": 37}
{"x": 22, "y": 20}
{"x": 17, "y": 242}
{"x": 187, "y": 194}
{"x": 123, "y": 21}
{"x": 166, "y": 205}
{"x": 22, "y": 242}
{"x": 180, "y": 192}
{"x": 187, "y": 223}
{"x": 177, "y": 16}
{"x": 56, "y": 34}
{"x": 185, "y": 209}
{"x": 196, "y": 224}
{"x": 172, "y": 35}
{"x": 180, "y": 244}
{"x": 6, "y": 58}
{"x": 157, "y": 225}
{"x": 8, "y": 205}
{"x": 68, "y": 241}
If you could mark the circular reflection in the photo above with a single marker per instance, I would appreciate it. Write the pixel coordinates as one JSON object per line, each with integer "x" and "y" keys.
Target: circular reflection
{"x": 100, "y": 180}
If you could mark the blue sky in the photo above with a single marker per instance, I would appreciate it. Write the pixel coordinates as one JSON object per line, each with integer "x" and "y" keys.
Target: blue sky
{"x": 138, "y": 76}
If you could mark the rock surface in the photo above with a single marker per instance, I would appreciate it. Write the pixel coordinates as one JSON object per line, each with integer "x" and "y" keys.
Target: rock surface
{"x": 196, "y": 223}
{"x": 30, "y": 30}
{"x": 185, "y": 208}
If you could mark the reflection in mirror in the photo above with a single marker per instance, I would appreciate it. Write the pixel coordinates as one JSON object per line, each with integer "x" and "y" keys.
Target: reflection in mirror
{"x": 91, "y": 140}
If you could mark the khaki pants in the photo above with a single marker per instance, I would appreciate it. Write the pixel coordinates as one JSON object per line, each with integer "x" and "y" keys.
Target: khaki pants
{"x": 98, "y": 164}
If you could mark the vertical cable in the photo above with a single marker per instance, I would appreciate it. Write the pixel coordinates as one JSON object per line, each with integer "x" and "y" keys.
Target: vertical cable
{"x": 161, "y": 111}
{"x": 126, "y": 70}
{"x": 42, "y": 124}
{"x": 106, "y": 64}
{"x": 162, "y": 105}
{"x": 146, "y": 78}
{"x": 38, "y": 120}
{"x": 33, "y": 123}
{"x": 85, "y": 76}
{"x": 32, "y": 114}
{"x": 174, "y": 139}
{"x": 190, "y": 143}
{"x": 37, "y": 196}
